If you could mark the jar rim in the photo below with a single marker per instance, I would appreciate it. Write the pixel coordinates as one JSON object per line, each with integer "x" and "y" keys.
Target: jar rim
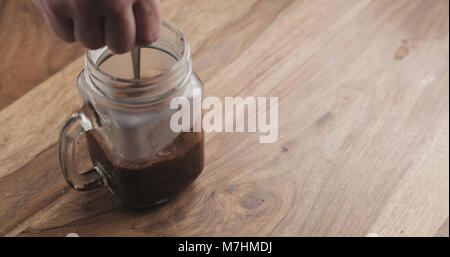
{"x": 90, "y": 63}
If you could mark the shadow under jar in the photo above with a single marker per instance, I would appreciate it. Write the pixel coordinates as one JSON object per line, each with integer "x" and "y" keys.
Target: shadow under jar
{"x": 126, "y": 121}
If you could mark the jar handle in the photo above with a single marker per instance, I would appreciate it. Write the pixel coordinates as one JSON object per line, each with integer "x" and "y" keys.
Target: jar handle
{"x": 78, "y": 124}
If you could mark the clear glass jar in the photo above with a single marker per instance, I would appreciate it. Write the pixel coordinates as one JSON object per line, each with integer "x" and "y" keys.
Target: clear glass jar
{"x": 135, "y": 152}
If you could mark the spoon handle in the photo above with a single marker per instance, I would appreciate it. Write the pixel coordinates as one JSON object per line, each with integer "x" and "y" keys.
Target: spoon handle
{"x": 136, "y": 60}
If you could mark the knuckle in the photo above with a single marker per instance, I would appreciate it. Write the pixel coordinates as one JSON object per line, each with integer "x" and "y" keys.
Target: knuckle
{"x": 116, "y": 6}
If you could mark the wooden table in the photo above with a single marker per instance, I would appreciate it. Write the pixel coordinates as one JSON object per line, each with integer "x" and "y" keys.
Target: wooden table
{"x": 363, "y": 90}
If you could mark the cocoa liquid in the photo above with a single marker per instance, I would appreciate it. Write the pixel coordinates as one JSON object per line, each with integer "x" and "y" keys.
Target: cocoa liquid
{"x": 156, "y": 180}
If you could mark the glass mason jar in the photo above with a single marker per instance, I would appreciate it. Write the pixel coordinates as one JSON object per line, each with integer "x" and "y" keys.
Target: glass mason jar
{"x": 126, "y": 122}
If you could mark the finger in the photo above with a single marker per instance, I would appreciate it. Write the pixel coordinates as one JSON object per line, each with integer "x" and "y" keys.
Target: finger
{"x": 148, "y": 21}
{"x": 63, "y": 28}
{"x": 88, "y": 27}
{"x": 120, "y": 30}
{"x": 89, "y": 31}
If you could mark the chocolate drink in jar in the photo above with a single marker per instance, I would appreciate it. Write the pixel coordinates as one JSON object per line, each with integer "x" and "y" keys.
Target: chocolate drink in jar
{"x": 153, "y": 181}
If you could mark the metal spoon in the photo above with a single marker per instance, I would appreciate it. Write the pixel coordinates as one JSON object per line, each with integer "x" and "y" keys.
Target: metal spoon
{"x": 136, "y": 60}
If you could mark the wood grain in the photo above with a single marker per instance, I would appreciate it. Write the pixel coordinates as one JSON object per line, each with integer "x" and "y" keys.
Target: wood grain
{"x": 29, "y": 53}
{"x": 363, "y": 128}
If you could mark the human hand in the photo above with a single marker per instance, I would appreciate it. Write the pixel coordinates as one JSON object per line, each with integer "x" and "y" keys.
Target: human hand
{"x": 119, "y": 24}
